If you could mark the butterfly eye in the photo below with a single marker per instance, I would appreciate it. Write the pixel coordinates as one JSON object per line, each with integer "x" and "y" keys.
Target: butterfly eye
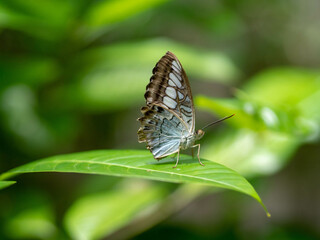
{"x": 200, "y": 132}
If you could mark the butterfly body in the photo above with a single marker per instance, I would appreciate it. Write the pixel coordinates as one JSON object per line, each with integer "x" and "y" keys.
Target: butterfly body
{"x": 189, "y": 140}
{"x": 168, "y": 124}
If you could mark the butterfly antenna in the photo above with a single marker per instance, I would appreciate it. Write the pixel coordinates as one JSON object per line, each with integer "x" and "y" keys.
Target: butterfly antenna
{"x": 220, "y": 120}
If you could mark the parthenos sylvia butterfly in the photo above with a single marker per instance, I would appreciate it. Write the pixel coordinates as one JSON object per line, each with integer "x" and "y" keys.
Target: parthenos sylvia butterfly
{"x": 168, "y": 124}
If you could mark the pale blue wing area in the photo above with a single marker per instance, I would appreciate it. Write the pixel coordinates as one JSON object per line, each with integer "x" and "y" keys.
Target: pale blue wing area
{"x": 166, "y": 139}
{"x": 162, "y": 130}
{"x": 165, "y": 149}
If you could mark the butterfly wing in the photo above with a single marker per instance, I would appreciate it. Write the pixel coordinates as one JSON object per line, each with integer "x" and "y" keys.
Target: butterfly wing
{"x": 169, "y": 87}
{"x": 161, "y": 129}
{"x": 169, "y": 114}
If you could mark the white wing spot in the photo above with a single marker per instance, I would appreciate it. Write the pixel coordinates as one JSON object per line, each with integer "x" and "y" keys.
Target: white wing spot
{"x": 187, "y": 109}
{"x": 176, "y": 64}
{"x": 169, "y": 102}
{"x": 180, "y": 95}
{"x": 175, "y": 80}
{"x": 171, "y": 92}
{"x": 178, "y": 76}
{"x": 175, "y": 69}
{"x": 171, "y": 83}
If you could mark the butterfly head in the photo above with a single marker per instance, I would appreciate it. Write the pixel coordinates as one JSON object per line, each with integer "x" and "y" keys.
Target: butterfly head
{"x": 199, "y": 134}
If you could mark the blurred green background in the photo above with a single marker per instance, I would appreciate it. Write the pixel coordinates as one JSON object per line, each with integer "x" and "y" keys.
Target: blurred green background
{"x": 72, "y": 78}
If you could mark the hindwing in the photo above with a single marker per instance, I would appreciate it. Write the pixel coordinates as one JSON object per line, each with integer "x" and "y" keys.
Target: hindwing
{"x": 161, "y": 129}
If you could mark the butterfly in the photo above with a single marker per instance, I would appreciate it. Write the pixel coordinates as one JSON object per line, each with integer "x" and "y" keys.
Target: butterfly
{"x": 168, "y": 124}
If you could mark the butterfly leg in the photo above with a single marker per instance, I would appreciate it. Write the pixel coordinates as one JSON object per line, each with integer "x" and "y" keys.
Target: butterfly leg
{"x": 177, "y": 159}
{"x": 198, "y": 145}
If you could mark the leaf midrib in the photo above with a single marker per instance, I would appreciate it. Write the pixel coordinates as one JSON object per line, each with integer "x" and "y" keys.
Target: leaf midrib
{"x": 131, "y": 167}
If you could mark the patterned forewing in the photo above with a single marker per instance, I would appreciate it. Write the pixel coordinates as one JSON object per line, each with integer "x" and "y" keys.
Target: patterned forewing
{"x": 161, "y": 130}
{"x": 170, "y": 88}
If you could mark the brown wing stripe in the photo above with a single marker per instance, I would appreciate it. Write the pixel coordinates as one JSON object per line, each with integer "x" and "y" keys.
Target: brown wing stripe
{"x": 159, "y": 80}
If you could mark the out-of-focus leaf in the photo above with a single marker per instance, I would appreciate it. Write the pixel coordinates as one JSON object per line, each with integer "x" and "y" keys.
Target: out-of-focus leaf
{"x": 17, "y": 110}
{"x": 29, "y": 71}
{"x": 283, "y": 86}
{"x": 134, "y": 163}
{"x": 262, "y": 141}
{"x": 289, "y": 90}
{"x": 42, "y": 9}
{"x": 115, "y": 77}
{"x": 32, "y": 223}
{"x": 226, "y": 107}
{"x": 29, "y": 214}
{"x": 109, "y": 89}
{"x": 159, "y": 209}
{"x": 248, "y": 152}
{"x": 98, "y": 215}
{"x": 257, "y": 117}
{"x": 36, "y": 17}
{"x": 111, "y": 11}
{"x": 4, "y": 184}
{"x": 17, "y": 21}
{"x": 308, "y": 108}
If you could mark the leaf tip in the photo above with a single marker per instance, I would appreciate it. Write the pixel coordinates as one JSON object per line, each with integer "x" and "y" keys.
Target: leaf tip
{"x": 265, "y": 208}
{"x": 5, "y": 184}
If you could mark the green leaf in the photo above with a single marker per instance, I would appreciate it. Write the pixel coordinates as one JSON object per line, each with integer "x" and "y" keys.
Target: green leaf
{"x": 31, "y": 71}
{"x": 283, "y": 86}
{"x": 135, "y": 205}
{"x": 4, "y": 184}
{"x": 107, "y": 12}
{"x": 98, "y": 215}
{"x": 248, "y": 152}
{"x": 102, "y": 15}
{"x": 252, "y": 115}
{"x": 135, "y": 163}
{"x": 36, "y": 18}
{"x": 18, "y": 105}
{"x": 35, "y": 223}
{"x": 263, "y": 139}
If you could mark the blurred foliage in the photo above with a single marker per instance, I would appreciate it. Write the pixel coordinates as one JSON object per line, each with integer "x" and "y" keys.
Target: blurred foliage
{"x": 275, "y": 116}
{"x": 72, "y": 78}
{"x": 99, "y": 214}
{"x": 32, "y": 223}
